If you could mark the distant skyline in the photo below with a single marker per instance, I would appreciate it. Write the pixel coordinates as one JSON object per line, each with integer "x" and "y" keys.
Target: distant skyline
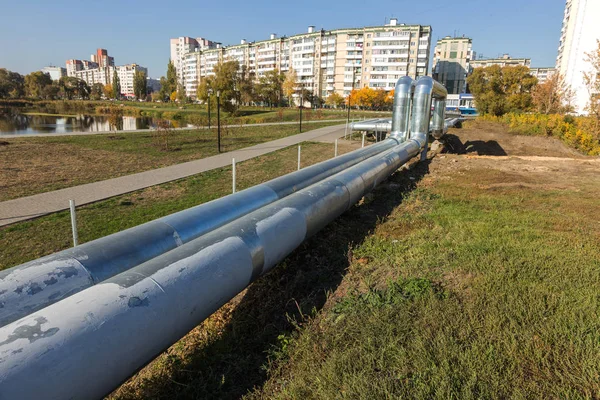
{"x": 37, "y": 33}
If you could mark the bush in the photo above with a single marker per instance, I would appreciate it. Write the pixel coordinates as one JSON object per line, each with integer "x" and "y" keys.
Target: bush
{"x": 582, "y": 133}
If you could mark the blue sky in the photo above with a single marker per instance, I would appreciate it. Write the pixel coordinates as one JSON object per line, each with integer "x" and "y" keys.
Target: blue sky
{"x": 36, "y": 33}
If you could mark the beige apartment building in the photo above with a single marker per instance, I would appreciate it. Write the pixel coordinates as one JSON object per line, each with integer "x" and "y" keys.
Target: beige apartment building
{"x": 325, "y": 61}
{"x": 504, "y": 61}
{"x": 542, "y": 74}
{"x": 451, "y": 63}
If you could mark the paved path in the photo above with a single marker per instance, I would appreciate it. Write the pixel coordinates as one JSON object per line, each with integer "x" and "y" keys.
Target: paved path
{"x": 28, "y": 135}
{"x": 24, "y": 208}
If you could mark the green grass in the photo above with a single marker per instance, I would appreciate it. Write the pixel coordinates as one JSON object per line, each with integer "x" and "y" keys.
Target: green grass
{"x": 460, "y": 294}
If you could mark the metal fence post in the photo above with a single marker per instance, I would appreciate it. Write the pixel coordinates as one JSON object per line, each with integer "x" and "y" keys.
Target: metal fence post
{"x": 363, "y": 140}
{"x": 233, "y": 174}
{"x": 299, "y": 149}
{"x": 74, "y": 223}
{"x": 335, "y": 150}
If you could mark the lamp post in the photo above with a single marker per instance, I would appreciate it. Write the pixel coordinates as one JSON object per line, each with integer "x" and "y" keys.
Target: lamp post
{"x": 210, "y": 92}
{"x": 219, "y": 120}
{"x": 350, "y": 95}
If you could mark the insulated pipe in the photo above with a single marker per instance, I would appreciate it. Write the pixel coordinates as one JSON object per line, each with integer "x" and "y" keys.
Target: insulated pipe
{"x": 31, "y": 286}
{"x": 438, "y": 126}
{"x": 372, "y": 125}
{"x": 86, "y": 345}
{"x": 401, "y": 109}
{"x": 425, "y": 89}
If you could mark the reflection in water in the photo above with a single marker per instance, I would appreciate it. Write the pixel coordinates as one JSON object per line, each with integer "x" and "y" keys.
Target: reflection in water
{"x": 14, "y": 122}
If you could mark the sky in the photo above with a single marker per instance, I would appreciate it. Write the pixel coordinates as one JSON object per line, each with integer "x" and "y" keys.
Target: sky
{"x": 37, "y": 33}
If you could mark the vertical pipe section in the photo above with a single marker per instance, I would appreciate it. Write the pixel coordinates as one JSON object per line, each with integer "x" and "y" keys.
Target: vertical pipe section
{"x": 424, "y": 92}
{"x": 438, "y": 126}
{"x": 74, "y": 223}
{"x": 401, "y": 109}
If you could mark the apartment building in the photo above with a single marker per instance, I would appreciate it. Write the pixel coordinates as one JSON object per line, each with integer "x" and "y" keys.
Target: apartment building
{"x": 451, "y": 63}
{"x": 101, "y": 69}
{"x": 579, "y": 34}
{"x": 504, "y": 61}
{"x": 325, "y": 61}
{"x": 55, "y": 72}
{"x": 183, "y": 45}
{"x": 542, "y": 74}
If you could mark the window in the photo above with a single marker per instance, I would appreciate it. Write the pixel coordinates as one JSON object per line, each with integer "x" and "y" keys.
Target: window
{"x": 453, "y": 54}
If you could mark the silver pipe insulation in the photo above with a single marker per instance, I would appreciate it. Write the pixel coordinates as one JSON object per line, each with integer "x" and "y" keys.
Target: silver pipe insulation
{"x": 36, "y": 284}
{"x": 401, "y": 113}
{"x": 112, "y": 329}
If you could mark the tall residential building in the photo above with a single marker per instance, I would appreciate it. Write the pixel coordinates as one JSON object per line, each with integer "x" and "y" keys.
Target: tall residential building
{"x": 55, "y": 72}
{"x": 325, "y": 61}
{"x": 451, "y": 63}
{"x": 579, "y": 33}
{"x": 101, "y": 69}
{"x": 183, "y": 45}
{"x": 542, "y": 74}
{"x": 504, "y": 61}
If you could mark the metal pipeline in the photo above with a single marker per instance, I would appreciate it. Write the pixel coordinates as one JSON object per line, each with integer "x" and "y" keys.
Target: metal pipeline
{"x": 112, "y": 329}
{"x": 401, "y": 111}
{"x": 425, "y": 90}
{"x": 31, "y": 286}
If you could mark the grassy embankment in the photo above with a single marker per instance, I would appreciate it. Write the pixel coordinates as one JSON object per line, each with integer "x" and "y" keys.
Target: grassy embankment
{"x": 28, "y": 240}
{"x": 40, "y": 164}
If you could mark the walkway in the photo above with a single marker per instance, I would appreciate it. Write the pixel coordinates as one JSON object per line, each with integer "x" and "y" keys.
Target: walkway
{"x": 24, "y": 208}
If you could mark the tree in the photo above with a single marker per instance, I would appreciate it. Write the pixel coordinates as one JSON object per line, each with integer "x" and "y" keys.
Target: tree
{"x": 96, "y": 91}
{"x": 12, "y": 84}
{"x": 500, "y": 90}
{"x": 269, "y": 87}
{"x": 108, "y": 90}
{"x": 591, "y": 79}
{"x": 181, "y": 97}
{"x": 226, "y": 81}
{"x": 553, "y": 96}
{"x": 70, "y": 87}
{"x": 35, "y": 83}
{"x": 246, "y": 85}
{"x": 289, "y": 84}
{"x": 116, "y": 86}
{"x": 334, "y": 100}
{"x": 140, "y": 85}
{"x": 168, "y": 85}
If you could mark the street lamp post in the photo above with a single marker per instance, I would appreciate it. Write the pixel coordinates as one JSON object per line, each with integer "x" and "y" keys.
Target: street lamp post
{"x": 219, "y": 120}
{"x": 210, "y": 92}
{"x": 350, "y": 95}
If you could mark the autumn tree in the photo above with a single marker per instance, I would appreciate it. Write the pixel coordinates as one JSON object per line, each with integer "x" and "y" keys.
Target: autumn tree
{"x": 35, "y": 84}
{"x": 591, "y": 78}
{"x": 289, "y": 85}
{"x": 246, "y": 85}
{"x": 225, "y": 81}
{"x": 334, "y": 100}
{"x": 269, "y": 87}
{"x": 140, "y": 85}
{"x": 168, "y": 85}
{"x": 107, "y": 91}
{"x": 500, "y": 90}
{"x": 553, "y": 96}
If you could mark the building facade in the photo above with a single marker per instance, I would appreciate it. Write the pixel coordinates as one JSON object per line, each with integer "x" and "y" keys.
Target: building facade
{"x": 325, "y": 61}
{"x": 579, "y": 34}
{"x": 504, "y": 61}
{"x": 183, "y": 45}
{"x": 542, "y": 74}
{"x": 55, "y": 72}
{"x": 451, "y": 63}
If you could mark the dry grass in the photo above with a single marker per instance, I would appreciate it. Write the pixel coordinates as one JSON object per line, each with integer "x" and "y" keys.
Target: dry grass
{"x": 35, "y": 165}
